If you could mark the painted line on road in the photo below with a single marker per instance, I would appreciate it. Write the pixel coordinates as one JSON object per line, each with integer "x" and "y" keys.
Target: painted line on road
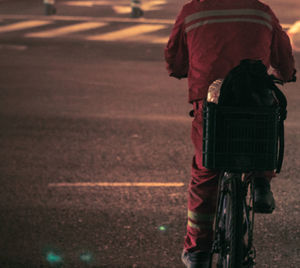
{"x": 81, "y": 3}
{"x": 286, "y": 26}
{"x": 145, "y": 6}
{"x": 127, "y": 32}
{"x": 83, "y": 26}
{"x": 149, "y": 117}
{"x": 120, "y": 7}
{"x": 13, "y": 47}
{"x": 94, "y": 3}
{"x": 294, "y": 34}
{"x": 23, "y": 25}
{"x": 295, "y": 28}
{"x": 152, "y": 39}
{"x": 83, "y": 18}
{"x": 160, "y": 40}
{"x": 116, "y": 184}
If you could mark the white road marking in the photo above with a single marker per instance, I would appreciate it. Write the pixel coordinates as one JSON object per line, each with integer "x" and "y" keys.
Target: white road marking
{"x": 80, "y": 3}
{"x": 294, "y": 34}
{"x": 68, "y": 29}
{"x": 116, "y": 184}
{"x": 152, "y": 39}
{"x": 135, "y": 33}
{"x": 94, "y": 3}
{"x": 145, "y": 6}
{"x": 23, "y": 25}
{"x": 160, "y": 40}
{"x": 127, "y": 32}
{"x": 286, "y": 26}
{"x": 295, "y": 28}
{"x": 13, "y": 47}
{"x": 152, "y": 5}
{"x": 82, "y": 18}
{"x": 151, "y": 117}
{"x": 120, "y": 7}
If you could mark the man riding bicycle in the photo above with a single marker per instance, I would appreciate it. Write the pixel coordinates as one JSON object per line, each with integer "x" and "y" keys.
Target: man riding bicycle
{"x": 209, "y": 38}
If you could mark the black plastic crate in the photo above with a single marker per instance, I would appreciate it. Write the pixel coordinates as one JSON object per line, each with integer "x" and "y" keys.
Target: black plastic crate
{"x": 240, "y": 138}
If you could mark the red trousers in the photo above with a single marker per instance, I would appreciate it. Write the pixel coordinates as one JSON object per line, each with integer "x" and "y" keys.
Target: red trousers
{"x": 202, "y": 193}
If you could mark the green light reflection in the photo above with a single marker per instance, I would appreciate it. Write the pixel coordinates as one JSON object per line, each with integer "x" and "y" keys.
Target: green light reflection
{"x": 53, "y": 258}
{"x": 86, "y": 257}
{"x": 162, "y": 228}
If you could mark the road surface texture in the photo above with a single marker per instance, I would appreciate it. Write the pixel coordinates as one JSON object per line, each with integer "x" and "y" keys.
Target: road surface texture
{"x": 86, "y": 104}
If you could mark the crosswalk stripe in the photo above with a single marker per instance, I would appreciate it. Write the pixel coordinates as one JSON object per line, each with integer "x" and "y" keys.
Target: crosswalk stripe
{"x": 286, "y": 26}
{"x": 68, "y": 29}
{"x": 127, "y": 32}
{"x": 80, "y": 3}
{"x": 137, "y": 33}
{"x": 295, "y": 28}
{"x": 23, "y": 25}
{"x": 83, "y": 18}
{"x": 153, "y": 39}
{"x": 294, "y": 34}
{"x": 95, "y": 3}
{"x": 160, "y": 40}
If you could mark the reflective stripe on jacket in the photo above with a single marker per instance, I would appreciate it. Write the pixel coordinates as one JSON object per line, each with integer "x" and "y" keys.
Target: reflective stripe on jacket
{"x": 210, "y": 37}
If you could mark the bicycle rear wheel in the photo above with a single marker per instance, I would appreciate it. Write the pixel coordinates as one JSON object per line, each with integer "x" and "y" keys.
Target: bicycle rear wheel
{"x": 231, "y": 222}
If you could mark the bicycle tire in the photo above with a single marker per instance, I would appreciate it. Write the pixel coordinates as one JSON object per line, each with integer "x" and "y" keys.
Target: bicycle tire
{"x": 231, "y": 223}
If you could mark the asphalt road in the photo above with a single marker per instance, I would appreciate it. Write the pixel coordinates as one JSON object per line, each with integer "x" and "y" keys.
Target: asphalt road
{"x": 74, "y": 110}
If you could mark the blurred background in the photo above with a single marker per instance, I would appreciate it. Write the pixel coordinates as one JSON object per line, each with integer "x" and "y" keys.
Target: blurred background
{"x": 87, "y": 114}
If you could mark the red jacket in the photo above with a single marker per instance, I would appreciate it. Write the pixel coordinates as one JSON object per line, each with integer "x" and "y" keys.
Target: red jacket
{"x": 210, "y": 37}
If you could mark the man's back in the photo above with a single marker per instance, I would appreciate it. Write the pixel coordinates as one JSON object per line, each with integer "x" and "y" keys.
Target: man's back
{"x": 211, "y": 37}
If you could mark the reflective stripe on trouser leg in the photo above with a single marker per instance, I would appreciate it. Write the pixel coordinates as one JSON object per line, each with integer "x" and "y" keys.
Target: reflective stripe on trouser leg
{"x": 202, "y": 195}
{"x": 202, "y": 199}
{"x": 200, "y": 217}
{"x": 199, "y": 234}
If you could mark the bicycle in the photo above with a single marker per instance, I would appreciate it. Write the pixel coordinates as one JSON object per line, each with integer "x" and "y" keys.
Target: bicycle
{"x": 239, "y": 142}
{"x": 241, "y": 136}
{"x": 235, "y": 217}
